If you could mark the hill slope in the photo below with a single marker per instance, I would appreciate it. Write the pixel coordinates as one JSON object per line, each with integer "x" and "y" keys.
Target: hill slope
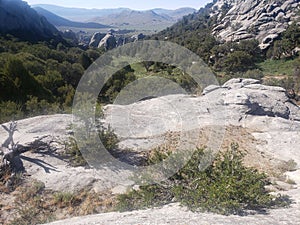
{"x": 134, "y": 18}
{"x": 19, "y": 19}
{"x": 60, "y": 21}
{"x": 236, "y": 20}
{"x": 79, "y": 14}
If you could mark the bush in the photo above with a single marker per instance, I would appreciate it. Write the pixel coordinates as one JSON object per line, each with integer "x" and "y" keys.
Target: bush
{"x": 108, "y": 139}
{"x": 65, "y": 199}
{"x": 10, "y": 111}
{"x": 226, "y": 187}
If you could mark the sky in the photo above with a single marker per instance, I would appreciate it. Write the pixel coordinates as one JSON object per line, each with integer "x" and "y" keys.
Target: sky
{"x": 132, "y": 4}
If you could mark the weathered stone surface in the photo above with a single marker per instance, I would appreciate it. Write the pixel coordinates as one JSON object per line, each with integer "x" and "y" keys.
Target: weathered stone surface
{"x": 175, "y": 214}
{"x": 95, "y": 40}
{"x": 47, "y": 164}
{"x": 237, "y": 102}
{"x": 264, "y": 20}
{"x": 108, "y": 42}
{"x": 137, "y": 37}
{"x": 264, "y": 111}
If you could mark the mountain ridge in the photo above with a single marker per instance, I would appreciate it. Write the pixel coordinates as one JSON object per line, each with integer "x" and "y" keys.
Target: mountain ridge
{"x": 60, "y": 21}
{"x": 82, "y": 14}
{"x": 20, "y": 20}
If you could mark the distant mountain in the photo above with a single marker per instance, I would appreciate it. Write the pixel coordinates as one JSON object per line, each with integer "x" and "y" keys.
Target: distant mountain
{"x": 175, "y": 14}
{"x": 144, "y": 18}
{"x": 133, "y": 18}
{"x": 60, "y": 21}
{"x": 19, "y": 19}
{"x": 79, "y": 14}
{"x": 123, "y": 18}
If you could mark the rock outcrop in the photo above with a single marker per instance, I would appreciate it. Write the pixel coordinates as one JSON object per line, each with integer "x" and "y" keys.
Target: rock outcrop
{"x": 239, "y": 102}
{"x": 137, "y": 37}
{"x": 263, "y": 20}
{"x": 262, "y": 119}
{"x": 112, "y": 40}
{"x": 264, "y": 111}
{"x": 108, "y": 42}
{"x": 18, "y": 19}
{"x": 96, "y": 38}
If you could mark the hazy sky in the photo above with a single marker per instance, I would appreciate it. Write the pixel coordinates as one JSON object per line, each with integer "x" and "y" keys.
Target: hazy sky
{"x": 133, "y": 4}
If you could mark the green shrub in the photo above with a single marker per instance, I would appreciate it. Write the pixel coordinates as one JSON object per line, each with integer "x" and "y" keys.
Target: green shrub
{"x": 73, "y": 152}
{"x": 108, "y": 139}
{"x": 65, "y": 199}
{"x": 10, "y": 111}
{"x": 225, "y": 187}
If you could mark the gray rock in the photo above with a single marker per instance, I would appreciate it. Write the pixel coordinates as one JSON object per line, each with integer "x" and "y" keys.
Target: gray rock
{"x": 143, "y": 123}
{"x": 137, "y": 37}
{"x": 108, "y": 42}
{"x": 210, "y": 89}
{"x": 247, "y": 19}
{"x": 238, "y": 102}
{"x": 284, "y": 186}
{"x": 96, "y": 38}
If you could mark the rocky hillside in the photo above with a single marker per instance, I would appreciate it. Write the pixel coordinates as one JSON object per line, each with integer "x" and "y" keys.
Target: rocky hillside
{"x": 19, "y": 19}
{"x": 261, "y": 119}
{"x": 263, "y": 20}
{"x": 234, "y": 20}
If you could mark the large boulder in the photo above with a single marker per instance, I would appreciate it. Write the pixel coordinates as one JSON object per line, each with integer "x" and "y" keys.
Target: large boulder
{"x": 108, "y": 42}
{"x": 137, "y": 37}
{"x": 265, "y": 110}
{"x": 95, "y": 40}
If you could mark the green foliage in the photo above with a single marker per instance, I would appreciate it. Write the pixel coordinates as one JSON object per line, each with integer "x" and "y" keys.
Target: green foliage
{"x": 29, "y": 203}
{"x": 85, "y": 60}
{"x": 108, "y": 138}
{"x": 237, "y": 61}
{"x": 277, "y": 67}
{"x": 91, "y": 146}
{"x": 10, "y": 110}
{"x": 65, "y": 199}
{"x": 289, "y": 40}
{"x": 254, "y": 74}
{"x": 73, "y": 152}
{"x": 39, "y": 78}
{"x": 34, "y": 107}
{"x": 116, "y": 83}
{"x": 225, "y": 187}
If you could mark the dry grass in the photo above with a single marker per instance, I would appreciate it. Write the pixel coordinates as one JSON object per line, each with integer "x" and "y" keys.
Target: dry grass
{"x": 247, "y": 143}
{"x": 33, "y": 204}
